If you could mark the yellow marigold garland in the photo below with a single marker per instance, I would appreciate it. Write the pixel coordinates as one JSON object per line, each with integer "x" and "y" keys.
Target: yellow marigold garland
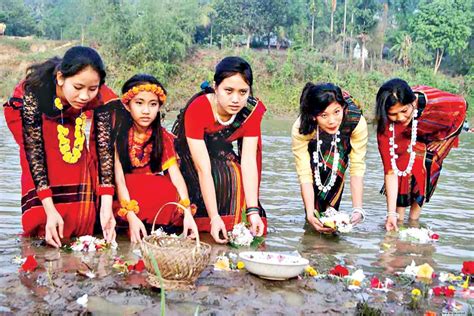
{"x": 144, "y": 87}
{"x": 71, "y": 155}
{"x": 128, "y": 206}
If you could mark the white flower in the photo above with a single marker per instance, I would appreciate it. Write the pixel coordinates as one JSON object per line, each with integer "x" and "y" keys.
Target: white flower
{"x": 83, "y": 300}
{"x": 422, "y": 235}
{"x": 411, "y": 269}
{"x": 358, "y": 275}
{"x": 341, "y": 220}
{"x": 240, "y": 235}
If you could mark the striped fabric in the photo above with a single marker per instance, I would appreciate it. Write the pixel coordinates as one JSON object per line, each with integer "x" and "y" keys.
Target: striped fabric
{"x": 352, "y": 115}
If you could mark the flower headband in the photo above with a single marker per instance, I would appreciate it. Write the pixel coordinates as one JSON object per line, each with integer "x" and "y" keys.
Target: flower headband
{"x": 144, "y": 87}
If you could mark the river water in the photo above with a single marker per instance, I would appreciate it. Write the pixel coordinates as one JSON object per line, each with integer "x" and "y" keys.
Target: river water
{"x": 450, "y": 212}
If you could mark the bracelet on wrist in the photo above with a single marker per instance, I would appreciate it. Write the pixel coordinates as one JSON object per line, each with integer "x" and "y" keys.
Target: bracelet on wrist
{"x": 252, "y": 210}
{"x": 185, "y": 202}
{"x": 361, "y": 211}
{"x": 393, "y": 214}
{"x": 128, "y": 206}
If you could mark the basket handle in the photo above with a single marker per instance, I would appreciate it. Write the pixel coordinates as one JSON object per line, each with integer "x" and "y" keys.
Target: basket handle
{"x": 178, "y": 205}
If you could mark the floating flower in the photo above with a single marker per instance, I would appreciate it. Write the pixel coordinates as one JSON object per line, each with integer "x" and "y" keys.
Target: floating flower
{"x": 311, "y": 271}
{"x": 29, "y": 265}
{"x": 357, "y": 277}
{"x": 422, "y": 235}
{"x": 375, "y": 283}
{"x": 447, "y": 291}
{"x": 449, "y": 277}
{"x": 430, "y": 313}
{"x": 83, "y": 300}
{"x": 240, "y": 265}
{"x": 339, "y": 271}
{"x": 334, "y": 219}
{"x": 468, "y": 267}
{"x": 222, "y": 264}
{"x": 425, "y": 271}
{"x": 465, "y": 284}
{"x": 415, "y": 292}
{"x": 411, "y": 269}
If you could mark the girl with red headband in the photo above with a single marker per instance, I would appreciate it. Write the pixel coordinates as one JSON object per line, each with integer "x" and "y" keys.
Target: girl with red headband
{"x": 147, "y": 174}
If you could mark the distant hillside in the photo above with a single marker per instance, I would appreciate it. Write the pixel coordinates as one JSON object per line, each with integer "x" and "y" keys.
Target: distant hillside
{"x": 279, "y": 76}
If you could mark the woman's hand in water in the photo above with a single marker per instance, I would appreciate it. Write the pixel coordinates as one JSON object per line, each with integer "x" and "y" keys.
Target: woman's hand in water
{"x": 218, "y": 227}
{"x": 107, "y": 219}
{"x": 391, "y": 223}
{"x": 256, "y": 224}
{"x": 316, "y": 223}
{"x": 136, "y": 227}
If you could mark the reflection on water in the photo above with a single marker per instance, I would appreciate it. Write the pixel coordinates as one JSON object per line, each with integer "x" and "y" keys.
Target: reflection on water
{"x": 450, "y": 213}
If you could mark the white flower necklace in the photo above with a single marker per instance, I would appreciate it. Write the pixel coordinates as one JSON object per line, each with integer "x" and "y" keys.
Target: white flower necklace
{"x": 227, "y": 123}
{"x": 335, "y": 162}
{"x": 218, "y": 118}
{"x": 410, "y": 150}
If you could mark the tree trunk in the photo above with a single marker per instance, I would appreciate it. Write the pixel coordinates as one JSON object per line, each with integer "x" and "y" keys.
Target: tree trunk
{"x": 210, "y": 40}
{"x": 268, "y": 43}
{"x": 344, "y": 30}
{"x": 332, "y": 23}
{"x": 384, "y": 26}
{"x": 249, "y": 36}
{"x": 312, "y": 31}
{"x": 82, "y": 35}
{"x": 439, "y": 58}
{"x": 362, "y": 59}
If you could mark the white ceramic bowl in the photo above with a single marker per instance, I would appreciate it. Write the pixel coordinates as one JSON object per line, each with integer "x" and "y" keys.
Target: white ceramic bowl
{"x": 273, "y": 265}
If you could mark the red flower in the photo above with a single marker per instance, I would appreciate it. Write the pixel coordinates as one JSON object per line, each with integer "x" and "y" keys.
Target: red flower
{"x": 375, "y": 283}
{"x": 449, "y": 292}
{"x": 139, "y": 266}
{"x": 438, "y": 291}
{"x": 430, "y": 313}
{"x": 339, "y": 271}
{"x": 435, "y": 236}
{"x": 30, "y": 264}
{"x": 468, "y": 267}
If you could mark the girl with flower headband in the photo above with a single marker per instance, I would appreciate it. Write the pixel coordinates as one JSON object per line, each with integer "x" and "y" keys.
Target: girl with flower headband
{"x": 223, "y": 183}
{"x": 416, "y": 129}
{"x": 329, "y": 133}
{"x": 46, "y": 115}
{"x": 147, "y": 174}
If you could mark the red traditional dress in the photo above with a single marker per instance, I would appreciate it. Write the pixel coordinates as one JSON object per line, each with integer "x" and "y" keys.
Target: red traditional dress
{"x": 197, "y": 121}
{"x": 73, "y": 187}
{"x": 440, "y": 117}
{"x": 153, "y": 190}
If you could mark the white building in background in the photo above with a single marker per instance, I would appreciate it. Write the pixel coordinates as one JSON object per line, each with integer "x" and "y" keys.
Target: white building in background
{"x": 356, "y": 53}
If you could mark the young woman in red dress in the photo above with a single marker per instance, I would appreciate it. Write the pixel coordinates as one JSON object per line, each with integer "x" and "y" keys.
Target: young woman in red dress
{"x": 416, "y": 129}
{"x": 59, "y": 180}
{"x": 222, "y": 183}
{"x": 147, "y": 174}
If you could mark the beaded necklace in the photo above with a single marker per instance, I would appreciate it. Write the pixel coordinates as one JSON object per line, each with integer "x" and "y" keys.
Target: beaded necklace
{"x": 335, "y": 163}
{"x": 393, "y": 146}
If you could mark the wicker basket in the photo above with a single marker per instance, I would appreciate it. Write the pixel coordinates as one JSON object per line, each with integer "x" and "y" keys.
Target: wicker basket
{"x": 180, "y": 260}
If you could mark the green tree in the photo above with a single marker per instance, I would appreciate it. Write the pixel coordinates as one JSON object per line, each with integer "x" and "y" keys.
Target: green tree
{"x": 444, "y": 25}
{"x": 18, "y": 17}
{"x": 365, "y": 20}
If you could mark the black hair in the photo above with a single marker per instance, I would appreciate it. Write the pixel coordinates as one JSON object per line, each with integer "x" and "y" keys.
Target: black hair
{"x": 390, "y": 93}
{"x": 41, "y": 78}
{"x": 227, "y": 67}
{"x": 125, "y": 122}
{"x": 314, "y": 99}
